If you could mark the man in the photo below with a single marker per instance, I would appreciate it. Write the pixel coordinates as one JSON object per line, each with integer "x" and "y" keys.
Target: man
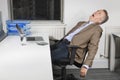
{"x": 84, "y": 34}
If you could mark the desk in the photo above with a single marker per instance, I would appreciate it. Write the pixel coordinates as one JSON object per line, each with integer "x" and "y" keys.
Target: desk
{"x": 28, "y": 62}
{"x": 115, "y": 51}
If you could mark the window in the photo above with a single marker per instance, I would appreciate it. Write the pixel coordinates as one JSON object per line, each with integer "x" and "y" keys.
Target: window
{"x": 36, "y": 9}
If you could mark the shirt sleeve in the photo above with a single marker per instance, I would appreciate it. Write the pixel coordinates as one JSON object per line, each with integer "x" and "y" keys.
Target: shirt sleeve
{"x": 86, "y": 66}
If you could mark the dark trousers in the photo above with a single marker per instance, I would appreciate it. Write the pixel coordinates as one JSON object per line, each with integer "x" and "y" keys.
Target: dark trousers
{"x": 60, "y": 50}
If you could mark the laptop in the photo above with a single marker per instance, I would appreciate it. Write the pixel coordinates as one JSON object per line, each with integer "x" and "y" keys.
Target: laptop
{"x": 2, "y": 33}
{"x": 28, "y": 38}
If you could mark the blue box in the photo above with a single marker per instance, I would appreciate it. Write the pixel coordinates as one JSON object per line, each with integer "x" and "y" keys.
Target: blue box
{"x": 11, "y": 26}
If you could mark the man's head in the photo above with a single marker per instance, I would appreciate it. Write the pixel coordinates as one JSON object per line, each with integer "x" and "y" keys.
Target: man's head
{"x": 99, "y": 17}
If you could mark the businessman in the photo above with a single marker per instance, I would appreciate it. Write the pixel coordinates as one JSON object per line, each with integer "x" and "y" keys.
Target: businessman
{"x": 84, "y": 34}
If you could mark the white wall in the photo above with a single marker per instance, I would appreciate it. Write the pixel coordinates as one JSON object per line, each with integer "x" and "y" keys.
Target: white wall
{"x": 77, "y": 10}
{"x": 4, "y": 10}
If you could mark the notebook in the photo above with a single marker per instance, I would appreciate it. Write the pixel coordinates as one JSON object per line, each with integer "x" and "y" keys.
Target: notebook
{"x": 29, "y": 38}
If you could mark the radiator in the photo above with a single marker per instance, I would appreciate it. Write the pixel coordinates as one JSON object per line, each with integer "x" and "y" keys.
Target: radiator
{"x": 56, "y": 32}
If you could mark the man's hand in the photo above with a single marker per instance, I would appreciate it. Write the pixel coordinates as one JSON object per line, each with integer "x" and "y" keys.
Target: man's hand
{"x": 83, "y": 71}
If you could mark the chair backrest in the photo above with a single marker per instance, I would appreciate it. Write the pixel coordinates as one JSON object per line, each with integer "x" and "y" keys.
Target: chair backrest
{"x": 85, "y": 53}
{"x": 73, "y": 52}
{"x": 72, "y": 49}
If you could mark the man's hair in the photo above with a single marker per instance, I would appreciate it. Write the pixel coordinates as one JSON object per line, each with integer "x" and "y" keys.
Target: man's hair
{"x": 106, "y": 16}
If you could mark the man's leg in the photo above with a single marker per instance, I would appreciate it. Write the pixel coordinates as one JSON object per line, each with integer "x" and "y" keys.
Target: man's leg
{"x": 60, "y": 52}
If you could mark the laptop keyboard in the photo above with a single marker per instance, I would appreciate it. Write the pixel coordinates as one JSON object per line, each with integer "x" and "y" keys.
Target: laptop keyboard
{"x": 38, "y": 38}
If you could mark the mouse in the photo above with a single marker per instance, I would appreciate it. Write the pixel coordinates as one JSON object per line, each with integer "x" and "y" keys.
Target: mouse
{"x": 42, "y": 43}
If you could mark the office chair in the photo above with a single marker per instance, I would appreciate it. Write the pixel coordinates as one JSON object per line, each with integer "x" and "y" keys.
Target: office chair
{"x": 69, "y": 61}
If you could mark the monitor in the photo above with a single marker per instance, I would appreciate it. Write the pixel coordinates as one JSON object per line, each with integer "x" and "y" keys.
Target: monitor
{"x": 2, "y": 33}
{"x": 1, "y": 26}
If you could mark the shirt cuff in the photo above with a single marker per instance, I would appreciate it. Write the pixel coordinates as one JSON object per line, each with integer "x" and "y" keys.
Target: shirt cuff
{"x": 86, "y": 66}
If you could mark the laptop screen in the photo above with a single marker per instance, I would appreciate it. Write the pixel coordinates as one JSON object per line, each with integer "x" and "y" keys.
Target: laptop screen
{"x": 20, "y": 31}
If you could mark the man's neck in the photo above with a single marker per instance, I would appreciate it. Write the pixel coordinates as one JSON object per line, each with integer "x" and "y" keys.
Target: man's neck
{"x": 92, "y": 22}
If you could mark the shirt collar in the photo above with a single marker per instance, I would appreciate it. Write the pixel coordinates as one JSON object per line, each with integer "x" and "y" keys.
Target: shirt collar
{"x": 90, "y": 22}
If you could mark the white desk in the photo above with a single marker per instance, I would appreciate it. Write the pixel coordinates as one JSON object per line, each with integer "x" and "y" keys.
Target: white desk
{"x": 114, "y": 51}
{"x": 28, "y": 62}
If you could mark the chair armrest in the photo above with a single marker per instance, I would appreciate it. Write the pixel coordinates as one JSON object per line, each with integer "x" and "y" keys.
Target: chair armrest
{"x": 73, "y": 49}
{"x": 73, "y": 46}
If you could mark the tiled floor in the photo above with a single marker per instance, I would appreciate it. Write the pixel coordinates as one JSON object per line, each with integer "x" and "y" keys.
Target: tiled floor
{"x": 96, "y": 74}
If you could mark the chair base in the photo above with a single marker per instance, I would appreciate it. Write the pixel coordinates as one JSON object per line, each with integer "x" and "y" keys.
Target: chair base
{"x": 62, "y": 75}
{"x": 68, "y": 77}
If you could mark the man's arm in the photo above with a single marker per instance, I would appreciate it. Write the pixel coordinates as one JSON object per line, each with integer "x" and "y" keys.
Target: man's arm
{"x": 92, "y": 49}
{"x": 83, "y": 70}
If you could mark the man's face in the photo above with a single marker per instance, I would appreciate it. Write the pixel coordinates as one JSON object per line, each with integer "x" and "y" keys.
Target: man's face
{"x": 98, "y": 16}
